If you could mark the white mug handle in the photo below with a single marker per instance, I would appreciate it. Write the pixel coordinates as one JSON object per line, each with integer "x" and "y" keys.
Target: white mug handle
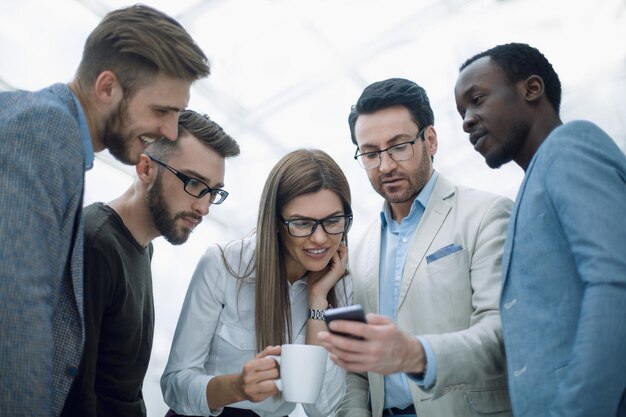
{"x": 278, "y": 382}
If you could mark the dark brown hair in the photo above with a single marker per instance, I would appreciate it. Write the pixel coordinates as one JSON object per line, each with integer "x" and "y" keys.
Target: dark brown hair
{"x": 136, "y": 43}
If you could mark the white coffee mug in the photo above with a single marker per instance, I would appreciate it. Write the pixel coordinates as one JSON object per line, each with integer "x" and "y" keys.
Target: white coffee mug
{"x": 302, "y": 370}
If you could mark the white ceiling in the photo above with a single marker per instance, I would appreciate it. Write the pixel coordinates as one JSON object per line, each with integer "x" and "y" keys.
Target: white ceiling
{"x": 285, "y": 73}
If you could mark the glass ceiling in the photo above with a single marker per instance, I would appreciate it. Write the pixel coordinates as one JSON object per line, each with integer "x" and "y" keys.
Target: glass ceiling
{"x": 285, "y": 73}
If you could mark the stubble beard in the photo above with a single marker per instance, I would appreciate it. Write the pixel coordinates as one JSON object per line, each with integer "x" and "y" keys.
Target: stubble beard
{"x": 508, "y": 149}
{"x": 161, "y": 216}
{"x": 112, "y": 137}
{"x": 415, "y": 183}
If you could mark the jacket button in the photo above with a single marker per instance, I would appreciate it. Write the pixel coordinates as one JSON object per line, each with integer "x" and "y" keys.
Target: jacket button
{"x": 72, "y": 371}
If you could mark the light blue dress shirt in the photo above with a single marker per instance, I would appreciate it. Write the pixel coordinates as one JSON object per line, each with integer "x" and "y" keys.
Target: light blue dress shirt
{"x": 85, "y": 136}
{"x": 396, "y": 239}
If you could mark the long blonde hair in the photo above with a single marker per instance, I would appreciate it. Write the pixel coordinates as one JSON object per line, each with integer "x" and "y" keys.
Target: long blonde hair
{"x": 300, "y": 172}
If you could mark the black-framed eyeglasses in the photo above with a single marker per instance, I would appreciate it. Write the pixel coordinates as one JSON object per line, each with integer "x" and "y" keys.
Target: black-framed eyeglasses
{"x": 333, "y": 225}
{"x": 399, "y": 152}
{"x": 194, "y": 186}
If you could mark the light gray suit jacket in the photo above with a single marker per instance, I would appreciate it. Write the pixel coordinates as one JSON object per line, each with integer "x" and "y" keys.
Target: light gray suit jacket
{"x": 451, "y": 301}
{"x": 41, "y": 246}
{"x": 564, "y": 290}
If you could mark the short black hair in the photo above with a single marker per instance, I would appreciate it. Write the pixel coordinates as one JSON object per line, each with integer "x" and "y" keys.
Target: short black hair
{"x": 392, "y": 92}
{"x": 519, "y": 61}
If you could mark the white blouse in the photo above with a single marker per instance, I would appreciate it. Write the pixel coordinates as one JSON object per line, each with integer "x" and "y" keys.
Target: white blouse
{"x": 215, "y": 336}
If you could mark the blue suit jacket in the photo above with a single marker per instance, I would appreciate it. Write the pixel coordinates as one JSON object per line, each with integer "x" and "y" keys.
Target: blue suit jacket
{"x": 41, "y": 263}
{"x": 563, "y": 303}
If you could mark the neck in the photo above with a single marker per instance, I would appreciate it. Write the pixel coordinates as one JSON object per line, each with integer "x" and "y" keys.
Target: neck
{"x": 539, "y": 132}
{"x": 400, "y": 210}
{"x": 133, "y": 210}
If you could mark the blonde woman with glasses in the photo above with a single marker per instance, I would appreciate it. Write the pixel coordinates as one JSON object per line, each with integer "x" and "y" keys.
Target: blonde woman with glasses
{"x": 248, "y": 297}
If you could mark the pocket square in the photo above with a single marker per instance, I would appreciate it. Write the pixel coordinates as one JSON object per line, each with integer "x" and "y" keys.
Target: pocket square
{"x": 445, "y": 251}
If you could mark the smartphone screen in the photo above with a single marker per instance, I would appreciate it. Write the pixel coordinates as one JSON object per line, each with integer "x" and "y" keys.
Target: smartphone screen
{"x": 354, "y": 312}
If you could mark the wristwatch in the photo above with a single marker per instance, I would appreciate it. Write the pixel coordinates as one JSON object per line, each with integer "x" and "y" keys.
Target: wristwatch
{"x": 316, "y": 314}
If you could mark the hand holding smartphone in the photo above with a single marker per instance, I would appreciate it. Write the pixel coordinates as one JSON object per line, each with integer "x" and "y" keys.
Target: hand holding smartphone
{"x": 354, "y": 312}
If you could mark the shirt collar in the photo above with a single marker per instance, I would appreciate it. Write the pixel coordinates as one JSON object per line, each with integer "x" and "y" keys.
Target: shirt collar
{"x": 422, "y": 199}
{"x": 85, "y": 136}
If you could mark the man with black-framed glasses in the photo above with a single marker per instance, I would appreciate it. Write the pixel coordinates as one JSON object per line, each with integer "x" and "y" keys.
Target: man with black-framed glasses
{"x": 176, "y": 184}
{"x": 428, "y": 268}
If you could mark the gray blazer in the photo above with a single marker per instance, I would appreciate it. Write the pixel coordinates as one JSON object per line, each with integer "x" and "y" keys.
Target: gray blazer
{"x": 41, "y": 250}
{"x": 450, "y": 297}
{"x": 564, "y": 293}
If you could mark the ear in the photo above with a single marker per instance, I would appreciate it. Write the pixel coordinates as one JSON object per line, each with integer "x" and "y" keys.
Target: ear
{"x": 108, "y": 89}
{"x": 533, "y": 88}
{"x": 430, "y": 137}
{"x": 146, "y": 169}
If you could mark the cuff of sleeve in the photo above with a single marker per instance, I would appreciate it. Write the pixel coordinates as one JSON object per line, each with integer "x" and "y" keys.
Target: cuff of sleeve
{"x": 427, "y": 379}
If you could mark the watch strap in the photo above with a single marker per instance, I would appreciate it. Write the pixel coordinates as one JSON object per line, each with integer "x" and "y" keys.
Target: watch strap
{"x": 316, "y": 314}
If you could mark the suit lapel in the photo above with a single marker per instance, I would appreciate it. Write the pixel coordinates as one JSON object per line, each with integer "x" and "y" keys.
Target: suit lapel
{"x": 435, "y": 214}
{"x": 372, "y": 269}
{"x": 510, "y": 231}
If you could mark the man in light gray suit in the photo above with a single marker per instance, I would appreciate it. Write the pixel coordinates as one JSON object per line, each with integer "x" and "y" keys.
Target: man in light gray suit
{"x": 430, "y": 266}
{"x": 564, "y": 264}
{"x": 133, "y": 80}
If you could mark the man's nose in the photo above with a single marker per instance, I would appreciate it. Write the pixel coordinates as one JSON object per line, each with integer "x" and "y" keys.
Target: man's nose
{"x": 201, "y": 205}
{"x": 387, "y": 163}
{"x": 169, "y": 128}
{"x": 469, "y": 121}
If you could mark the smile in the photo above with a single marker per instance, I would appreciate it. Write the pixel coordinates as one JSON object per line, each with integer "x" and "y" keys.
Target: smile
{"x": 317, "y": 251}
{"x": 147, "y": 141}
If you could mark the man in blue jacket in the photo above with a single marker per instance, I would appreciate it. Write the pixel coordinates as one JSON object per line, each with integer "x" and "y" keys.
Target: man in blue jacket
{"x": 564, "y": 265}
{"x": 133, "y": 80}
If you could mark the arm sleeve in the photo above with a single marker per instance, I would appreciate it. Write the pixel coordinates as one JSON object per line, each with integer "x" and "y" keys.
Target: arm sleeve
{"x": 34, "y": 251}
{"x": 184, "y": 380}
{"x": 355, "y": 402}
{"x": 333, "y": 387}
{"x": 477, "y": 352}
{"x": 590, "y": 199}
{"x": 100, "y": 291}
{"x": 426, "y": 380}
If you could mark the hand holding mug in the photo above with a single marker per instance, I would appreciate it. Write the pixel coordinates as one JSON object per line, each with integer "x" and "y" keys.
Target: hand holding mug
{"x": 302, "y": 371}
{"x": 256, "y": 381}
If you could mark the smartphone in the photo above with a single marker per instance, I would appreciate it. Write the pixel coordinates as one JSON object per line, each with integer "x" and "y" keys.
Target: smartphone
{"x": 354, "y": 312}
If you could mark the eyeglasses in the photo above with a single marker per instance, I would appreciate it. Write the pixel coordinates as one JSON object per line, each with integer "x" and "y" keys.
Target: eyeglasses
{"x": 400, "y": 152}
{"x": 333, "y": 225}
{"x": 195, "y": 187}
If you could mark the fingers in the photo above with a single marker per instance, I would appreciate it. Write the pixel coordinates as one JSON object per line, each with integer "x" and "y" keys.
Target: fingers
{"x": 350, "y": 354}
{"x": 260, "y": 391}
{"x": 377, "y": 319}
{"x": 343, "y": 253}
{"x": 375, "y": 352}
{"x": 258, "y": 375}
{"x": 270, "y": 350}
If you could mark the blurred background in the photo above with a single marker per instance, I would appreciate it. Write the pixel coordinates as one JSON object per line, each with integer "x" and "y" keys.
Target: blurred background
{"x": 285, "y": 73}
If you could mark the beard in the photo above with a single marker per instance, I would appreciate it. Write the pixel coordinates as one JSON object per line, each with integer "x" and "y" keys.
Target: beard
{"x": 416, "y": 181}
{"x": 507, "y": 149}
{"x": 163, "y": 219}
{"x": 113, "y": 138}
